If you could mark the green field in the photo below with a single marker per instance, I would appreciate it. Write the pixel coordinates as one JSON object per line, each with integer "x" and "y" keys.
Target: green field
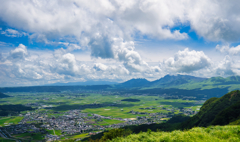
{"x": 57, "y": 132}
{"x": 111, "y": 105}
{"x": 80, "y": 136}
{"x": 10, "y": 120}
{"x": 108, "y": 122}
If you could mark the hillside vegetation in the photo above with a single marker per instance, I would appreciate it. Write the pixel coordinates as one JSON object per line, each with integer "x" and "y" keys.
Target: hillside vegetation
{"x": 216, "y": 111}
{"x": 198, "y": 134}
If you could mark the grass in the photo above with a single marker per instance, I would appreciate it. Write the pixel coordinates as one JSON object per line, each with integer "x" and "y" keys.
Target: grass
{"x": 198, "y": 134}
{"x": 57, "y": 132}
{"x": 108, "y": 122}
{"x": 12, "y": 120}
{"x": 80, "y": 136}
{"x": 75, "y": 136}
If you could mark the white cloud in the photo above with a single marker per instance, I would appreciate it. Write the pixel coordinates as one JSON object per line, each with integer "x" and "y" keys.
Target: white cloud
{"x": 188, "y": 61}
{"x": 229, "y": 50}
{"x": 215, "y": 20}
{"x": 116, "y": 48}
{"x": 226, "y": 67}
{"x": 108, "y": 27}
{"x": 100, "y": 67}
{"x": 41, "y": 69}
{"x": 18, "y": 53}
{"x": 13, "y": 33}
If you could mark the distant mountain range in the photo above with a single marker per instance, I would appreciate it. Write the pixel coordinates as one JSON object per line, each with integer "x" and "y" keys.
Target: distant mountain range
{"x": 174, "y": 86}
{"x": 183, "y": 82}
{"x": 82, "y": 83}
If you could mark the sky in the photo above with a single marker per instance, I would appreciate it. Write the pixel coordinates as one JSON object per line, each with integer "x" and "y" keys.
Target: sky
{"x": 44, "y": 42}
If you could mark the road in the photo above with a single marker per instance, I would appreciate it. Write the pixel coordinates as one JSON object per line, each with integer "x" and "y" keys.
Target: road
{"x": 4, "y": 134}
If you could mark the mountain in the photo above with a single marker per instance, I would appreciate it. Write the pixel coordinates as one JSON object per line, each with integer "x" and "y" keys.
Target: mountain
{"x": 166, "y": 81}
{"x": 216, "y": 111}
{"x": 172, "y": 80}
{"x": 139, "y": 82}
{"x": 82, "y": 83}
{"x": 3, "y": 95}
{"x": 190, "y": 82}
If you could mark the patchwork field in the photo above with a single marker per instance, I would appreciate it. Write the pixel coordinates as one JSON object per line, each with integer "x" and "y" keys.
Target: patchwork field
{"x": 106, "y": 105}
{"x": 99, "y": 110}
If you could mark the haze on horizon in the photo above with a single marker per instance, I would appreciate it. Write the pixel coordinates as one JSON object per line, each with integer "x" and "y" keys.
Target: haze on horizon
{"x": 43, "y": 42}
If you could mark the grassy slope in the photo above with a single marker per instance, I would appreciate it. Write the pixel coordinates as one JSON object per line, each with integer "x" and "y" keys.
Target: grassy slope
{"x": 210, "y": 134}
{"x": 210, "y": 109}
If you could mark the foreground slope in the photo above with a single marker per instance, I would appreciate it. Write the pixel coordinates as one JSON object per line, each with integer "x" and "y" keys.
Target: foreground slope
{"x": 210, "y": 134}
{"x": 214, "y": 109}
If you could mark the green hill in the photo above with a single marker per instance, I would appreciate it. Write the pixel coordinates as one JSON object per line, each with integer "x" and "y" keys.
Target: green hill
{"x": 215, "y": 109}
{"x": 228, "y": 115}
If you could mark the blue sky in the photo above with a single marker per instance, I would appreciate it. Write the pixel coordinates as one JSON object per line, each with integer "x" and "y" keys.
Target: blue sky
{"x": 44, "y": 42}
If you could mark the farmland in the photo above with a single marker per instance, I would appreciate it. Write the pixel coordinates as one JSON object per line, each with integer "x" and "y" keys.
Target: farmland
{"x": 91, "y": 111}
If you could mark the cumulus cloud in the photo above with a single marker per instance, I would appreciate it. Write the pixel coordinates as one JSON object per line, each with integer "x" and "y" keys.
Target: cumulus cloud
{"x": 108, "y": 28}
{"x": 67, "y": 65}
{"x": 100, "y": 67}
{"x": 188, "y": 61}
{"x": 18, "y": 53}
{"x": 123, "y": 51}
{"x": 213, "y": 20}
{"x": 79, "y": 18}
{"x": 229, "y": 50}
{"x": 226, "y": 67}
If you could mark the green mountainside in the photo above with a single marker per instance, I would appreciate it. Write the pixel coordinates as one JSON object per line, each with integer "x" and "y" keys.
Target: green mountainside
{"x": 214, "y": 109}
{"x": 228, "y": 115}
{"x": 183, "y": 82}
{"x": 169, "y": 80}
{"x": 232, "y": 83}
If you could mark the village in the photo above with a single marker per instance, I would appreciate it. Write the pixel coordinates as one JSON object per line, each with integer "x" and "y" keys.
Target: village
{"x": 74, "y": 122}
